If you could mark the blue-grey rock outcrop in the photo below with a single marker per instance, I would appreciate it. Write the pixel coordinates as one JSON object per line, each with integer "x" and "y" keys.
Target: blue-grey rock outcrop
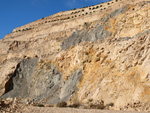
{"x": 98, "y": 56}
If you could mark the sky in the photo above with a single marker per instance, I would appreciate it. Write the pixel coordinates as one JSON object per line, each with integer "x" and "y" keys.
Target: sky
{"x": 15, "y": 13}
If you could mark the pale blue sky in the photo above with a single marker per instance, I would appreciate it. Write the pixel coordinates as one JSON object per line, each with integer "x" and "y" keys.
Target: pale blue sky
{"x": 15, "y": 13}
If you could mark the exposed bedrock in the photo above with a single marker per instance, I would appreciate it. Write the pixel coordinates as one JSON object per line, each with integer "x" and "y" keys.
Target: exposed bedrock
{"x": 21, "y": 79}
{"x": 101, "y": 57}
{"x": 81, "y": 36}
{"x": 42, "y": 82}
{"x": 97, "y": 33}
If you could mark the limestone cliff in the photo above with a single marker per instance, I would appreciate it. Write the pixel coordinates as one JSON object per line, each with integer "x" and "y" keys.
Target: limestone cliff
{"x": 92, "y": 55}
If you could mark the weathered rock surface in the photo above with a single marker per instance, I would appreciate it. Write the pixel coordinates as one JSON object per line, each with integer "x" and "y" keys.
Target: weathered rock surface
{"x": 98, "y": 33}
{"x": 78, "y": 37}
{"x": 21, "y": 79}
{"x": 97, "y": 57}
{"x": 42, "y": 82}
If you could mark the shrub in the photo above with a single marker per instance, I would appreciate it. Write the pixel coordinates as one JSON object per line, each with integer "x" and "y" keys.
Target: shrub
{"x": 75, "y": 105}
{"x": 90, "y": 100}
{"x": 93, "y": 8}
{"x": 86, "y": 13}
{"x": 82, "y": 9}
{"x": 90, "y": 8}
{"x": 86, "y": 25}
{"x": 97, "y": 7}
{"x": 101, "y": 5}
{"x": 108, "y": 3}
{"x": 61, "y": 104}
{"x": 38, "y": 105}
{"x": 97, "y": 106}
{"x": 85, "y": 7}
{"x": 109, "y": 105}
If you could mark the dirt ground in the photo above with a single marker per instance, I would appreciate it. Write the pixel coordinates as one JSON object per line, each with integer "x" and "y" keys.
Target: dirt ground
{"x": 32, "y": 109}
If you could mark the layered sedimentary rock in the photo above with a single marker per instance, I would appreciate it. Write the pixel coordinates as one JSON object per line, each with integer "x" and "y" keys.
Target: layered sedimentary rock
{"x": 102, "y": 56}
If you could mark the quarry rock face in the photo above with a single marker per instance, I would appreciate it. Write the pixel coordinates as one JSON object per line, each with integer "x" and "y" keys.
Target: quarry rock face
{"x": 43, "y": 81}
{"x": 85, "y": 56}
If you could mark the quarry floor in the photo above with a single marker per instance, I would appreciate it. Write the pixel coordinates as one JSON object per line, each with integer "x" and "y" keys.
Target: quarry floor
{"x": 32, "y": 109}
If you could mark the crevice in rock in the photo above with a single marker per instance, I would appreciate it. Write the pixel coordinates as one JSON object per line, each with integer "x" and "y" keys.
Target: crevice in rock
{"x": 9, "y": 85}
{"x": 19, "y": 82}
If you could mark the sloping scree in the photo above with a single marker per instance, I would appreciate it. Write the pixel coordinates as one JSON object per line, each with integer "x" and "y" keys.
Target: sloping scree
{"x": 98, "y": 33}
{"x": 43, "y": 84}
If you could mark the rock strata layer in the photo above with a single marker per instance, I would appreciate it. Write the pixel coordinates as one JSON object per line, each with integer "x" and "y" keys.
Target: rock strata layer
{"x": 100, "y": 59}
